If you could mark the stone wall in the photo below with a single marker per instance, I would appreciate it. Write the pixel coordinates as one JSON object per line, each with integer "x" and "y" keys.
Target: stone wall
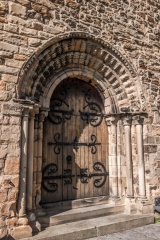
{"x": 131, "y": 27}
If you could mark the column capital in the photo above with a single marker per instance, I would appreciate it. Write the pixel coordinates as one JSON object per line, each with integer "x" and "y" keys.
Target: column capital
{"x": 138, "y": 119}
{"x": 42, "y": 114}
{"x": 25, "y": 112}
{"x": 31, "y": 113}
{"x": 111, "y": 121}
{"x": 127, "y": 121}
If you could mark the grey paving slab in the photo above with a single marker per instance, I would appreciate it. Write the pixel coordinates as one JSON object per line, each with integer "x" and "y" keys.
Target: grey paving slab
{"x": 149, "y": 232}
{"x": 152, "y": 231}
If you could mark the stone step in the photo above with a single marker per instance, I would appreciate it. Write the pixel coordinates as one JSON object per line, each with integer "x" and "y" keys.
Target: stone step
{"x": 61, "y": 216}
{"x": 94, "y": 227}
{"x": 84, "y": 202}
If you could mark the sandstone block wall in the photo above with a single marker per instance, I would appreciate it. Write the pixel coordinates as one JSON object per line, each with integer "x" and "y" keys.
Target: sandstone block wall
{"x": 130, "y": 26}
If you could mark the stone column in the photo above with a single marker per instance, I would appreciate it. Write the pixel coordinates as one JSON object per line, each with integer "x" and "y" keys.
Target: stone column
{"x": 113, "y": 172}
{"x": 119, "y": 167}
{"x": 30, "y": 161}
{"x": 35, "y": 159}
{"x": 129, "y": 168}
{"x": 23, "y": 167}
{"x": 42, "y": 116}
{"x": 138, "y": 120}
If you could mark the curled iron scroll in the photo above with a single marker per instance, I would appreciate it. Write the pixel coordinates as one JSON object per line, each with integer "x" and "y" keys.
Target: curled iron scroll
{"x": 48, "y": 182}
{"x": 57, "y": 115}
{"x": 92, "y": 113}
{"x": 57, "y": 146}
{"x": 102, "y": 175}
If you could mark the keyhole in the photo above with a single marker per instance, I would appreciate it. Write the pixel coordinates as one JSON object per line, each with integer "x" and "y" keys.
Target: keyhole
{"x": 69, "y": 159}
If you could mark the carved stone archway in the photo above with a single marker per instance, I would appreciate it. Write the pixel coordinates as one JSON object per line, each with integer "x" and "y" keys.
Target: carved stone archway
{"x": 87, "y": 58}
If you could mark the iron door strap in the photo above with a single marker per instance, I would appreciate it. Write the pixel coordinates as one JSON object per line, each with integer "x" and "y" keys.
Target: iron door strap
{"x": 49, "y": 176}
{"x": 91, "y": 112}
{"x": 75, "y": 143}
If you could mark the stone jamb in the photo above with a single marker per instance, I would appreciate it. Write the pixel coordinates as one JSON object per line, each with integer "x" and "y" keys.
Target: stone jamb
{"x": 30, "y": 163}
{"x": 42, "y": 114}
{"x": 112, "y": 156}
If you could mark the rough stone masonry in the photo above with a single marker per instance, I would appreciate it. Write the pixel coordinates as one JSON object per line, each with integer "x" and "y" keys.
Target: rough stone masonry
{"x": 115, "y": 44}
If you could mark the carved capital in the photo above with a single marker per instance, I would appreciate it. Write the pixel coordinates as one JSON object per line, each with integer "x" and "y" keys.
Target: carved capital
{"x": 43, "y": 114}
{"x": 25, "y": 112}
{"x": 138, "y": 120}
{"x": 111, "y": 121}
{"x": 36, "y": 121}
{"x": 127, "y": 121}
{"x": 31, "y": 114}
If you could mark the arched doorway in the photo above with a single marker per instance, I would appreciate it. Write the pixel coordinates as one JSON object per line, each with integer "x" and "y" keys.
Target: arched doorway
{"x": 75, "y": 150}
{"x": 78, "y": 55}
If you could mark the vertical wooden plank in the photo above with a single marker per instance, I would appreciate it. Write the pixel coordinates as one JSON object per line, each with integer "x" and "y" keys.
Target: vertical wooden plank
{"x": 70, "y": 137}
{"x": 105, "y": 155}
{"x": 65, "y": 168}
{"x": 98, "y": 191}
{"x": 72, "y": 134}
{"x": 86, "y": 159}
{"x": 78, "y": 130}
{"x": 57, "y": 158}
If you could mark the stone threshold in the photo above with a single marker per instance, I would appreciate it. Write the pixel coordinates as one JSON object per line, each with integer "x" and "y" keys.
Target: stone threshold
{"x": 60, "y": 216}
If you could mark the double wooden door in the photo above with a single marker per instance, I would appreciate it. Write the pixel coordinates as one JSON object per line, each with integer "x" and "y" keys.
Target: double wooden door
{"x": 75, "y": 162}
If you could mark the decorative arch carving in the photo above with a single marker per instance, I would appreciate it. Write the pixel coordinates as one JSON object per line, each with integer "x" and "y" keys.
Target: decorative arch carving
{"x": 86, "y": 57}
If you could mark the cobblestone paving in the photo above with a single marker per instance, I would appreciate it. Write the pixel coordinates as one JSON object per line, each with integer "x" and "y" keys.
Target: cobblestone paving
{"x": 149, "y": 232}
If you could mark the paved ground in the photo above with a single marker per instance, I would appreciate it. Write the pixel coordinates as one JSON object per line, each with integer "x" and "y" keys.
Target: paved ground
{"x": 149, "y": 232}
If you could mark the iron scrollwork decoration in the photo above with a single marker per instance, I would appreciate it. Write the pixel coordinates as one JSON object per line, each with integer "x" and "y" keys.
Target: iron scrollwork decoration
{"x": 49, "y": 177}
{"x": 75, "y": 143}
{"x": 94, "y": 117}
{"x": 99, "y": 167}
{"x": 101, "y": 173}
{"x": 67, "y": 176}
{"x": 56, "y": 115}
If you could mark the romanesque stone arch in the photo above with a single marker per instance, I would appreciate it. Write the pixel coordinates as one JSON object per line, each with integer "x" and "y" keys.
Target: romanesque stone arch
{"x": 83, "y": 56}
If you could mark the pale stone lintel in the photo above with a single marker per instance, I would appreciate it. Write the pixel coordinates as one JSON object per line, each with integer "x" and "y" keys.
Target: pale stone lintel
{"x": 30, "y": 111}
{"x": 27, "y": 105}
{"x": 23, "y": 101}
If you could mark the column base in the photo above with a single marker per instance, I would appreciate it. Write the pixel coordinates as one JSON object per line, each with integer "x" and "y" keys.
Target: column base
{"x": 144, "y": 206}
{"x": 114, "y": 199}
{"x": 40, "y": 211}
{"x": 142, "y": 198}
{"x": 130, "y": 197}
{"x": 130, "y": 205}
{"x": 34, "y": 224}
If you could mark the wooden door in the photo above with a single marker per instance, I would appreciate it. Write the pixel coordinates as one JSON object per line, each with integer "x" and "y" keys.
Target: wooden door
{"x": 75, "y": 163}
